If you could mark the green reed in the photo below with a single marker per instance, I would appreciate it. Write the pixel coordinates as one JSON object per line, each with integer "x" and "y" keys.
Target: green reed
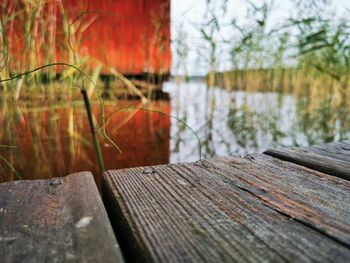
{"x": 37, "y": 60}
{"x": 258, "y": 51}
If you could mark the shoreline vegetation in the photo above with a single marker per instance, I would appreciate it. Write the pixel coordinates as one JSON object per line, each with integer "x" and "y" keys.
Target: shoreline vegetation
{"x": 307, "y": 47}
{"x": 307, "y": 55}
{"x": 43, "y": 42}
{"x": 280, "y": 80}
{"x": 38, "y": 33}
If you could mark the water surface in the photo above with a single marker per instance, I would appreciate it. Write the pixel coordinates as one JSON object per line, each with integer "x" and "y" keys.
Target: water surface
{"x": 239, "y": 122}
{"x": 49, "y": 139}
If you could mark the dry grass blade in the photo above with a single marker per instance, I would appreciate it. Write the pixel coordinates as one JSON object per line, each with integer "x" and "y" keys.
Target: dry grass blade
{"x": 161, "y": 113}
{"x": 11, "y": 167}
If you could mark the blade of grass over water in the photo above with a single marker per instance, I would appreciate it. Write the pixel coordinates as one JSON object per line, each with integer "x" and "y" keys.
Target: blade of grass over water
{"x": 8, "y": 146}
{"x": 87, "y": 104}
{"x": 47, "y": 66}
{"x": 164, "y": 114}
{"x": 11, "y": 167}
{"x": 93, "y": 130}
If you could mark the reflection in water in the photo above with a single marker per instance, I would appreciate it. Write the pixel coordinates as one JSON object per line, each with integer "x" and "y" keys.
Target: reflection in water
{"x": 238, "y": 122}
{"x": 53, "y": 139}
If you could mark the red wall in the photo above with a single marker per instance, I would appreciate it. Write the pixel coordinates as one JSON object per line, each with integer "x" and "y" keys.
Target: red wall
{"x": 132, "y": 36}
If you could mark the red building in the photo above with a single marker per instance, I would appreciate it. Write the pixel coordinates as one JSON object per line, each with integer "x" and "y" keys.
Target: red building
{"x": 132, "y": 36}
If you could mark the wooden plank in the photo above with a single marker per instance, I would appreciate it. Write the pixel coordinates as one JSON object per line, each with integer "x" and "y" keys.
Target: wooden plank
{"x": 328, "y": 159}
{"x": 57, "y": 220}
{"x": 251, "y": 209}
{"x": 336, "y": 150}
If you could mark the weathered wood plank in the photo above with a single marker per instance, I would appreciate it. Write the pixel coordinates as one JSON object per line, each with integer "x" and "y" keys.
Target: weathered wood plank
{"x": 325, "y": 158}
{"x": 336, "y": 150}
{"x": 58, "y": 220}
{"x": 252, "y": 209}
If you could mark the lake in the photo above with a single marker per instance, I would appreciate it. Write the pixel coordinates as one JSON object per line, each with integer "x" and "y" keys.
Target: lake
{"x": 42, "y": 139}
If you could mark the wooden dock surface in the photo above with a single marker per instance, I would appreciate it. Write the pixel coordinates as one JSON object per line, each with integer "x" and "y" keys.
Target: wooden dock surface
{"x": 286, "y": 205}
{"x": 331, "y": 158}
{"x": 231, "y": 209}
{"x": 57, "y": 220}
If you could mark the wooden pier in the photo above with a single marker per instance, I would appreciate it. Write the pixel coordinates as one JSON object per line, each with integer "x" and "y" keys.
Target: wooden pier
{"x": 285, "y": 205}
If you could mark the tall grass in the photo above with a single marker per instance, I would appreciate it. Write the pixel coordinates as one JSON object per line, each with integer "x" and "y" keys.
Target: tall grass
{"x": 30, "y": 39}
{"x": 35, "y": 37}
{"x": 272, "y": 50}
{"x": 31, "y": 43}
{"x": 36, "y": 33}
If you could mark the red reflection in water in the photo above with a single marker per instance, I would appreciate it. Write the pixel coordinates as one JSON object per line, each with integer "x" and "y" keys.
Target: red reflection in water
{"x": 55, "y": 141}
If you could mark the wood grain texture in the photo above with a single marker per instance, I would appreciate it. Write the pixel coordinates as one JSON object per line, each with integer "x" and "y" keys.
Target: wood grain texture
{"x": 336, "y": 150}
{"x": 332, "y": 158}
{"x": 232, "y": 209}
{"x": 57, "y": 220}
